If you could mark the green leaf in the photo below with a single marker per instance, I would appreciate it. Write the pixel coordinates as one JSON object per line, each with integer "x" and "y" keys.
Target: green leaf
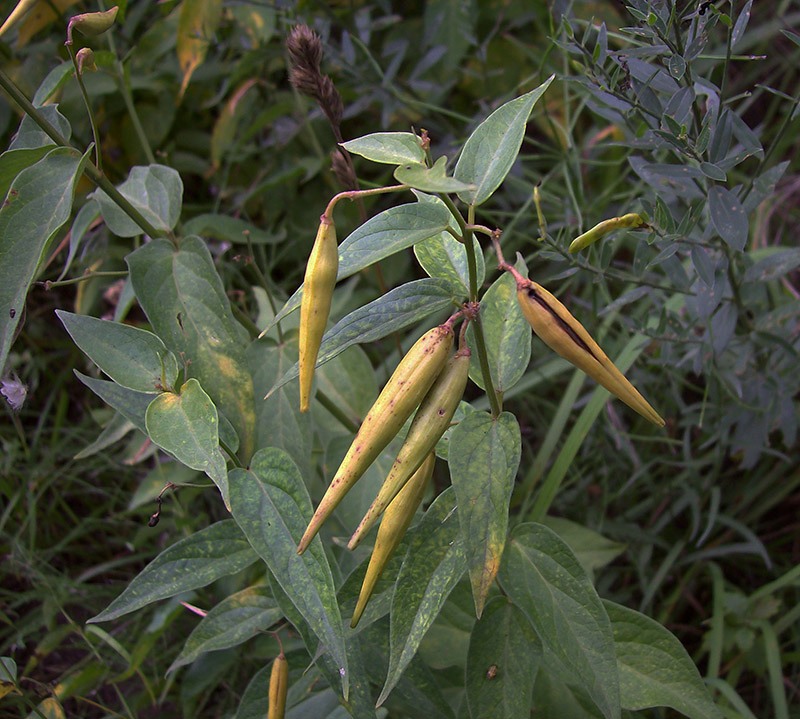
{"x": 506, "y": 334}
{"x": 187, "y": 426}
{"x": 399, "y": 308}
{"x": 37, "y": 206}
{"x": 446, "y": 258}
{"x": 417, "y": 693}
{"x": 234, "y": 620}
{"x": 185, "y": 301}
{"x": 350, "y": 383}
{"x": 430, "y": 179}
{"x": 655, "y": 670}
{"x": 86, "y": 216}
{"x": 492, "y": 148}
{"x": 775, "y": 264}
{"x": 543, "y": 577}
{"x": 592, "y": 549}
{"x": 392, "y": 231}
{"x": 56, "y": 79}
{"x": 12, "y": 162}
{"x": 156, "y": 191}
{"x": 232, "y": 229}
{"x": 389, "y": 148}
{"x": 433, "y": 565}
{"x": 129, "y": 403}
{"x": 132, "y": 357}
{"x": 728, "y": 217}
{"x": 555, "y": 699}
{"x": 484, "y": 457}
{"x": 504, "y": 655}
{"x": 31, "y": 135}
{"x": 196, "y": 561}
{"x": 279, "y": 421}
{"x": 271, "y": 505}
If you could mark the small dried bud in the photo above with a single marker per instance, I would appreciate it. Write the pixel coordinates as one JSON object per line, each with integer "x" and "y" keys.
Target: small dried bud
{"x": 85, "y": 58}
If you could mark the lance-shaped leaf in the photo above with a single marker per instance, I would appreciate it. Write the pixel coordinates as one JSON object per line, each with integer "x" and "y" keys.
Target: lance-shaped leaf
{"x": 403, "y": 306}
{"x": 654, "y": 668}
{"x": 392, "y": 231}
{"x": 492, "y": 148}
{"x": 234, "y": 620}
{"x": 187, "y": 426}
{"x": 728, "y": 216}
{"x": 508, "y": 343}
{"x": 196, "y": 561}
{"x": 271, "y": 505}
{"x": 389, "y": 148}
{"x": 185, "y": 301}
{"x": 504, "y": 656}
{"x": 430, "y": 179}
{"x": 543, "y": 577}
{"x": 132, "y": 357}
{"x": 445, "y": 257}
{"x": 39, "y": 202}
{"x": 433, "y": 565}
{"x": 279, "y": 421}
{"x": 484, "y": 456}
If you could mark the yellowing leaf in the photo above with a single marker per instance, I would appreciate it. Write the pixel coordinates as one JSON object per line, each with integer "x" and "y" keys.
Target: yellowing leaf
{"x": 196, "y": 26}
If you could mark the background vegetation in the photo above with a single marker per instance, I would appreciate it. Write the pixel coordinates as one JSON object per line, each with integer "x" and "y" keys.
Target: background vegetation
{"x": 700, "y": 522}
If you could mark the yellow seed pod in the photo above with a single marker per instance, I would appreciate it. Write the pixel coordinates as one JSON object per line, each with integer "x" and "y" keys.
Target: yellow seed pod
{"x": 560, "y": 331}
{"x": 320, "y": 279}
{"x": 278, "y": 687}
{"x": 90, "y": 24}
{"x": 402, "y": 394}
{"x": 429, "y": 424}
{"x": 394, "y": 524}
{"x": 20, "y": 11}
{"x": 631, "y": 220}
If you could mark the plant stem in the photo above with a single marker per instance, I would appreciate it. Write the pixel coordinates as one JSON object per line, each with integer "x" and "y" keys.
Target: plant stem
{"x": 472, "y": 269}
{"x": 332, "y": 407}
{"x": 124, "y": 89}
{"x": 91, "y": 171}
{"x": 97, "y": 159}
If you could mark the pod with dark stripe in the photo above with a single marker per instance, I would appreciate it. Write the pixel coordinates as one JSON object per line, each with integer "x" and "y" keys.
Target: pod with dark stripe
{"x": 402, "y": 394}
{"x": 560, "y": 331}
{"x": 429, "y": 424}
{"x": 315, "y": 306}
{"x": 394, "y": 524}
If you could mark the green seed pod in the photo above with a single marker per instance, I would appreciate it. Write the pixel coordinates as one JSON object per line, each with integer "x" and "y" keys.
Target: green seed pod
{"x": 91, "y": 23}
{"x": 429, "y": 424}
{"x": 402, "y": 394}
{"x": 560, "y": 331}
{"x": 394, "y": 524}
{"x": 320, "y": 279}
{"x": 278, "y": 687}
{"x": 632, "y": 219}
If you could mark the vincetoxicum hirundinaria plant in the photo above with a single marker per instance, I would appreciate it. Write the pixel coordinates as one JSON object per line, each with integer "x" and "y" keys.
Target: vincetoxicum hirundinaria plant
{"x": 204, "y": 389}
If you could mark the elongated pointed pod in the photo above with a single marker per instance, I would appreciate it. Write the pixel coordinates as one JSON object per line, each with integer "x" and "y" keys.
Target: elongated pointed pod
{"x": 429, "y": 424}
{"x": 394, "y": 524}
{"x": 278, "y": 688}
{"x": 560, "y": 331}
{"x": 320, "y": 279}
{"x": 402, "y": 394}
{"x": 632, "y": 220}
